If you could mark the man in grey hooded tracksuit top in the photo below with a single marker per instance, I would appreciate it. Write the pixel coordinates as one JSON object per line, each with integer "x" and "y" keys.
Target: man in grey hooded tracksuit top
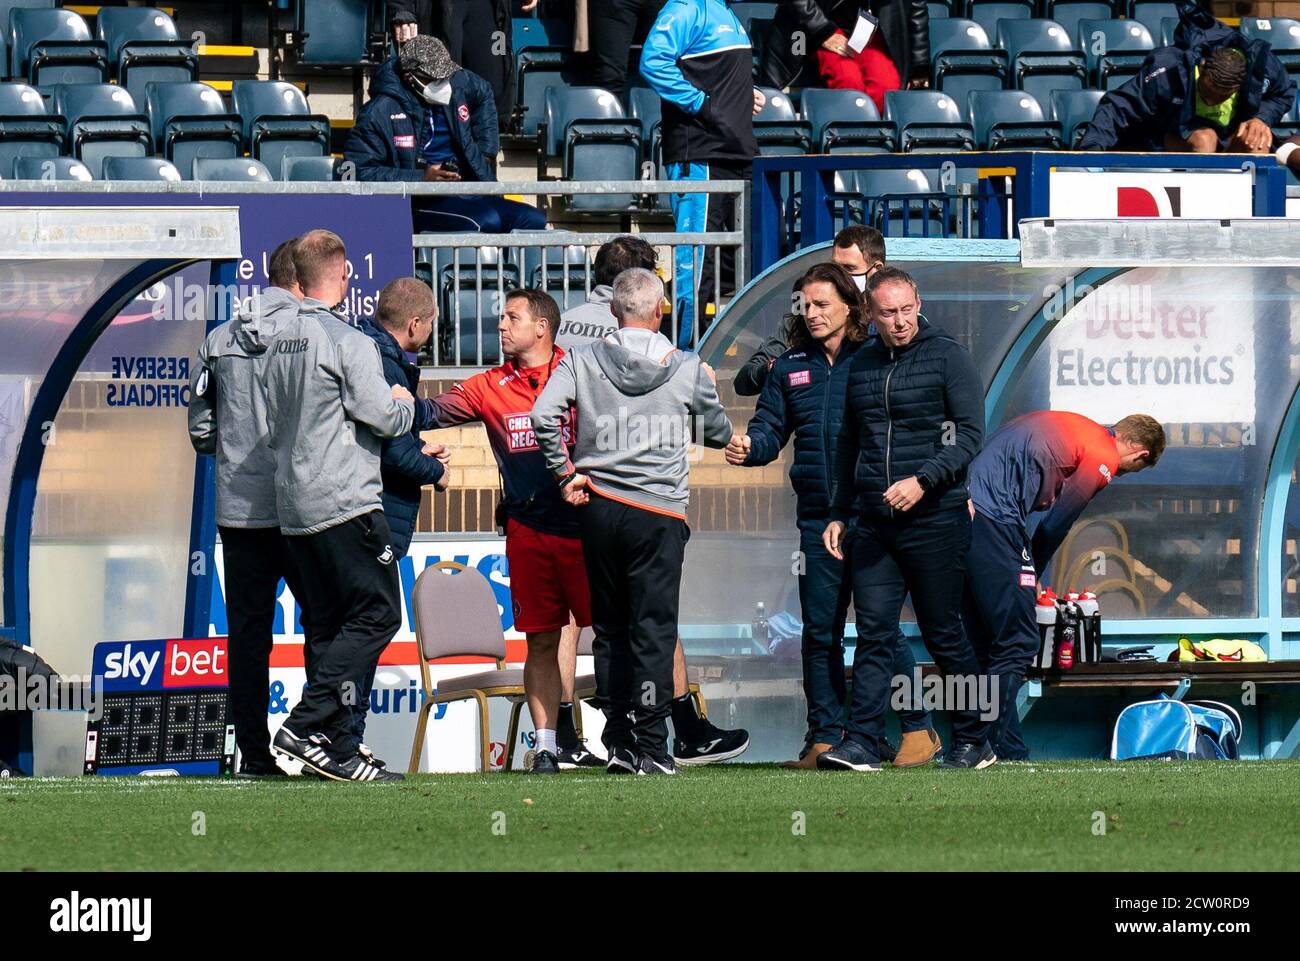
{"x": 328, "y": 409}
{"x": 227, "y": 419}
{"x": 635, "y": 396}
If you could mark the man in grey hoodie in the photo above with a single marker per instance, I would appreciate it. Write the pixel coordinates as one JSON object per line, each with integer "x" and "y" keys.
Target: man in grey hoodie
{"x": 593, "y": 320}
{"x": 635, "y": 396}
{"x": 227, "y": 419}
{"x": 328, "y": 409}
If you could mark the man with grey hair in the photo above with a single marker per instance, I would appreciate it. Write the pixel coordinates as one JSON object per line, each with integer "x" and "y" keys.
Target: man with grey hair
{"x": 634, "y": 395}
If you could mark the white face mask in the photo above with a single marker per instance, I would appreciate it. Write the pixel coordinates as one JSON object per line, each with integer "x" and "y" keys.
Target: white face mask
{"x": 437, "y": 93}
{"x": 860, "y": 280}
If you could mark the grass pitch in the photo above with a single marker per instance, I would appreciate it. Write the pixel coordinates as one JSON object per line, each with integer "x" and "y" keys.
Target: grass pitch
{"x": 1027, "y": 816}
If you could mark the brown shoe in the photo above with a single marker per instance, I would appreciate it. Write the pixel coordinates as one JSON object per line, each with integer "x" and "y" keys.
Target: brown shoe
{"x": 808, "y": 759}
{"x": 918, "y": 747}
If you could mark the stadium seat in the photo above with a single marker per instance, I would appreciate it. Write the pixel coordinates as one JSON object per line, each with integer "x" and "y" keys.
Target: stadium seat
{"x": 1043, "y": 57}
{"x": 26, "y": 127}
{"x": 964, "y": 60}
{"x": 189, "y": 120}
{"x": 749, "y": 13}
{"x": 1068, "y": 13}
{"x": 586, "y": 127}
{"x": 845, "y": 120}
{"x": 1072, "y": 110}
{"x": 144, "y": 47}
{"x": 101, "y": 121}
{"x": 334, "y": 33}
{"x": 277, "y": 122}
{"x": 472, "y": 303}
{"x": 903, "y": 203}
{"x": 536, "y": 72}
{"x": 532, "y": 33}
{"x": 987, "y": 15}
{"x": 1010, "y": 119}
{"x": 777, "y": 129}
{"x": 231, "y": 170}
{"x": 300, "y": 169}
{"x": 1149, "y": 13}
{"x": 645, "y": 107}
{"x": 140, "y": 168}
{"x": 1167, "y": 27}
{"x": 1281, "y": 33}
{"x": 51, "y": 168}
{"x": 54, "y": 46}
{"x": 938, "y": 11}
{"x": 928, "y": 121}
{"x": 1115, "y": 50}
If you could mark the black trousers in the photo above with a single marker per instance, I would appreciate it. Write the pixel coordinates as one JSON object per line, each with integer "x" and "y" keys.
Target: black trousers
{"x": 926, "y": 556}
{"x": 998, "y": 611}
{"x": 472, "y": 43}
{"x": 634, "y": 567}
{"x": 349, "y": 573}
{"x": 255, "y": 560}
{"x": 613, "y": 27}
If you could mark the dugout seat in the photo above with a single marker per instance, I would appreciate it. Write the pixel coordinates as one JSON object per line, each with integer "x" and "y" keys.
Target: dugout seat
{"x": 964, "y": 60}
{"x": 101, "y": 121}
{"x": 141, "y": 168}
{"x": 1281, "y": 33}
{"x": 1043, "y": 57}
{"x": 1073, "y": 110}
{"x": 903, "y": 203}
{"x": 54, "y": 46}
{"x": 1126, "y": 44}
{"x": 456, "y": 616}
{"x": 26, "y": 128}
{"x": 1010, "y": 120}
{"x": 144, "y": 47}
{"x": 231, "y": 170}
{"x": 189, "y": 120}
{"x": 928, "y": 121}
{"x": 51, "y": 168}
{"x": 277, "y": 122}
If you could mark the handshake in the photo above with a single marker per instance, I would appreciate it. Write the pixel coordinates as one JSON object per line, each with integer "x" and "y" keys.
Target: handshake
{"x": 439, "y": 451}
{"x": 738, "y": 449}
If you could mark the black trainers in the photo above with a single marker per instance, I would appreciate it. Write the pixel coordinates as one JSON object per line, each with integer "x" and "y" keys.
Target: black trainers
{"x": 848, "y": 755}
{"x": 310, "y": 750}
{"x": 576, "y": 757}
{"x": 544, "y": 762}
{"x": 260, "y": 770}
{"x": 369, "y": 756}
{"x": 712, "y": 746}
{"x": 969, "y": 757}
{"x": 648, "y": 764}
{"x": 886, "y": 750}
{"x": 622, "y": 760}
{"x": 357, "y": 768}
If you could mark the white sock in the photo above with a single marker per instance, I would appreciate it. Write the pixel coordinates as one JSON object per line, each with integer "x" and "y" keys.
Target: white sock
{"x": 546, "y": 740}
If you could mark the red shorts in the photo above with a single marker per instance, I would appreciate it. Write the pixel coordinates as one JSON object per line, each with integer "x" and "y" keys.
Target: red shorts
{"x": 548, "y": 579}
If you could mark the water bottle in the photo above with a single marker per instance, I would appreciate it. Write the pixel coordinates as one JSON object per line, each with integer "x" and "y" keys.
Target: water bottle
{"x": 760, "y": 632}
{"x": 1045, "y": 614}
{"x": 1090, "y": 614}
{"x": 1069, "y": 636}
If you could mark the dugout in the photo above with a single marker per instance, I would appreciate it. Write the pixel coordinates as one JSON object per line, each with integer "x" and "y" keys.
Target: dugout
{"x": 1194, "y": 322}
{"x": 107, "y": 529}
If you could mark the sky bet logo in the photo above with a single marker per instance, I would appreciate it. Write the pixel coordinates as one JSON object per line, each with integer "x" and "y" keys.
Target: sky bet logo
{"x": 160, "y": 665}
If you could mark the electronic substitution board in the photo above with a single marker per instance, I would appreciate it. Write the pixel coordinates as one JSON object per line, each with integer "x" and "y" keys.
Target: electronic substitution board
{"x": 165, "y": 708}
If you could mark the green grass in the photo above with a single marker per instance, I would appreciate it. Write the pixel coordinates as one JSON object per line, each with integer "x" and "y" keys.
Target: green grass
{"x": 1031, "y": 816}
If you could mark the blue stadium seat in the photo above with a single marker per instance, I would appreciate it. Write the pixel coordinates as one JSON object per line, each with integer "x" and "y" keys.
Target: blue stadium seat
{"x": 536, "y": 72}
{"x": 1167, "y": 27}
{"x": 938, "y": 11}
{"x": 26, "y": 127}
{"x": 473, "y": 304}
{"x": 1281, "y": 33}
{"x": 51, "y": 168}
{"x": 903, "y": 203}
{"x": 532, "y": 33}
{"x": 1010, "y": 119}
{"x": 101, "y": 121}
{"x": 928, "y": 121}
{"x": 748, "y": 13}
{"x": 778, "y": 129}
{"x": 277, "y": 122}
{"x": 189, "y": 120}
{"x": 1043, "y": 57}
{"x": 307, "y": 169}
{"x": 964, "y": 60}
{"x": 140, "y": 168}
{"x": 1068, "y": 13}
{"x": 231, "y": 170}
{"x": 587, "y": 128}
{"x": 54, "y": 46}
{"x": 144, "y": 47}
{"x": 334, "y": 33}
{"x": 988, "y": 14}
{"x": 845, "y": 120}
{"x": 1149, "y": 13}
{"x": 645, "y": 108}
{"x": 1072, "y": 110}
{"x": 1115, "y": 50}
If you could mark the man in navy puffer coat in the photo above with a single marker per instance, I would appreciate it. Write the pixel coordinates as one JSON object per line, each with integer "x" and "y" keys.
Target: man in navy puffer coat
{"x": 913, "y": 421}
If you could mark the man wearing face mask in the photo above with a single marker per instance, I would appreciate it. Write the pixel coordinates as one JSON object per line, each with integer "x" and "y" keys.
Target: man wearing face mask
{"x": 429, "y": 119}
{"x": 859, "y": 250}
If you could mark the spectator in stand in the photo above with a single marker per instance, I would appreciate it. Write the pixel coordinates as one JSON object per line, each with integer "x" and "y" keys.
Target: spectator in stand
{"x": 476, "y": 32}
{"x": 896, "y": 55}
{"x": 621, "y": 25}
{"x": 1213, "y": 91}
{"x": 594, "y": 320}
{"x": 429, "y": 119}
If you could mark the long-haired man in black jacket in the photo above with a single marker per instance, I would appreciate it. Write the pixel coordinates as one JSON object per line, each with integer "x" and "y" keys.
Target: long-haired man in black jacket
{"x": 913, "y": 421}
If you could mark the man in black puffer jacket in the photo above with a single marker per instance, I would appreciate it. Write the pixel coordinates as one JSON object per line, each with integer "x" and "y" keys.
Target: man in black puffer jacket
{"x": 913, "y": 421}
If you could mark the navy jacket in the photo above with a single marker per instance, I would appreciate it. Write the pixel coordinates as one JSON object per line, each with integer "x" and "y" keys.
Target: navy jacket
{"x": 1161, "y": 98}
{"x": 803, "y": 395}
{"x": 403, "y": 467}
{"x": 916, "y": 410}
{"x": 386, "y": 143}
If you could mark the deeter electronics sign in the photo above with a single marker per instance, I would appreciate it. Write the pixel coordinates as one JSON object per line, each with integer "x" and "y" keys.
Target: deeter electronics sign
{"x": 1089, "y": 195}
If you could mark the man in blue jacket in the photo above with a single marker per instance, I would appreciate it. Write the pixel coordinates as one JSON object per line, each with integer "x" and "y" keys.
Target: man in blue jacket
{"x": 1212, "y": 91}
{"x": 429, "y": 119}
{"x": 803, "y": 396}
